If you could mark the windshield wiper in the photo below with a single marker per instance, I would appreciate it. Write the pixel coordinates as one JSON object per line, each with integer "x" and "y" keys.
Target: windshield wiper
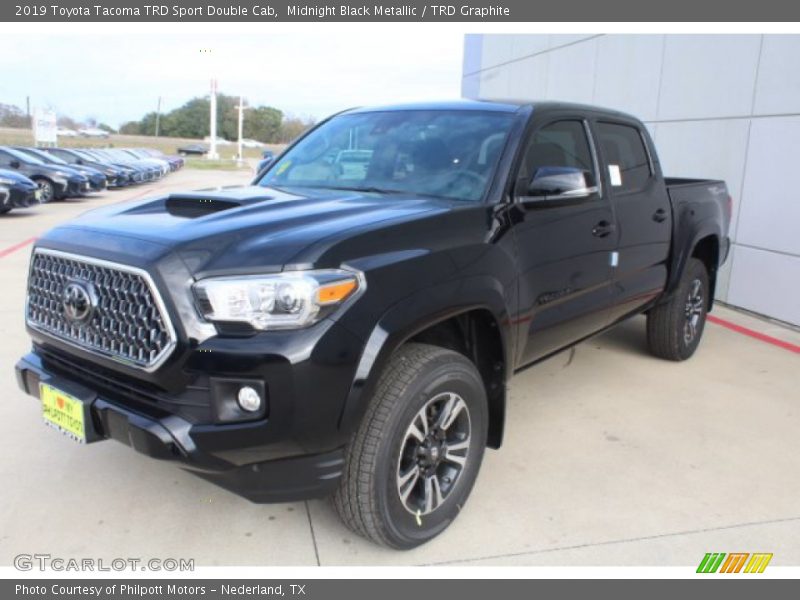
{"x": 367, "y": 189}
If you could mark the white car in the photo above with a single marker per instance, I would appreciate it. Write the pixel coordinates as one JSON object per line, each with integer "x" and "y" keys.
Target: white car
{"x": 247, "y": 143}
{"x": 65, "y": 132}
{"x": 220, "y": 141}
{"x": 93, "y": 132}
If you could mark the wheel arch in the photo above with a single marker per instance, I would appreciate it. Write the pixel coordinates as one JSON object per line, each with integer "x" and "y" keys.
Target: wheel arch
{"x": 476, "y": 331}
{"x": 706, "y": 250}
{"x": 701, "y": 242}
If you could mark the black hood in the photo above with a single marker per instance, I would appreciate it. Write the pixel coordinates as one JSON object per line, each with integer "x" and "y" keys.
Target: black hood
{"x": 243, "y": 229}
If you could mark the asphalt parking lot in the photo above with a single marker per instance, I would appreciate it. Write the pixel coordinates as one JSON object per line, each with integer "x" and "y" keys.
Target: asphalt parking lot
{"x": 611, "y": 457}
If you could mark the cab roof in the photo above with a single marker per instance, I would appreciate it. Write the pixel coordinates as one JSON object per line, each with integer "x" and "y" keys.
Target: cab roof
{"x": 507, "y": 106}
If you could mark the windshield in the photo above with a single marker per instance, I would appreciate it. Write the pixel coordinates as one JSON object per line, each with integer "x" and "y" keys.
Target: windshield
{"x": 45, "y": 156}
{"x": 84, "y": 155}
{"x": 449, "y": 154}
{"x": 22, "y": 156}
{"x": 101, "y": 154}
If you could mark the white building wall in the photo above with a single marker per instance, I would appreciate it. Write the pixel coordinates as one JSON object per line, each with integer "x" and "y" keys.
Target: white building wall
{"x": 718, "y": 106}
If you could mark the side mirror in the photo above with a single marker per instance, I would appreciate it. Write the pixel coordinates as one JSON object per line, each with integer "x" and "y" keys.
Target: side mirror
{"x": 557, "y": 183}
{"x": 14, "y": 164}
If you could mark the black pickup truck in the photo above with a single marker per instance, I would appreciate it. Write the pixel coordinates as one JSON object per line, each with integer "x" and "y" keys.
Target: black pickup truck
{"x": 346, "y": 325}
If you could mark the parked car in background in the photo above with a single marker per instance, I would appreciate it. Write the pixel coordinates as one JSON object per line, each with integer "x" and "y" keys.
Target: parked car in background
{"x": 16, "y": 191}
{"x": 163, "y": 164}
{"x": 220, "y": 141}
{"x": 192, "y": 150}
{"x": 55, "y": 182}
{"x": 65, "y": 132}
{"x": 116, "y": 176}
{"x": 156, "y": 168}
{"x": 267, "y": 156}
{"x": 97, "y": 179}
{"x": 248, "y": 143}
{"x": 175, "y": 162}
{"x": 93, "y": 132}
{"x": 142, "y": 173}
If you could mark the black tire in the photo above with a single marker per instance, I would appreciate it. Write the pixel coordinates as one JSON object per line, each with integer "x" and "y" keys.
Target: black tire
{"x": 418, "y": 379}
{"x": 4, "y": 210}
{"x": 47, "y": 190}
{"x": 674, "y": 329}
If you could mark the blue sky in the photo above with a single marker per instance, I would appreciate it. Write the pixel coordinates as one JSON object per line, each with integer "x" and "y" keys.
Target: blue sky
{"x": 115, "y": 78}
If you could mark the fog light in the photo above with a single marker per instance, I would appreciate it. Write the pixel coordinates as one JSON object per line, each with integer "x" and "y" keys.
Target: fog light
{"x": 249, "y": 399}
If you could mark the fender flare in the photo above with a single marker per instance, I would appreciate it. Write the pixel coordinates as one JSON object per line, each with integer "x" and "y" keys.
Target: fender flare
{"x": 706, "y": 228}
{"x": 406, "y": 319}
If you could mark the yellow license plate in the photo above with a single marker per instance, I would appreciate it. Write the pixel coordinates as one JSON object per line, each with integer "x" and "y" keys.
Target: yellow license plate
{"x": 63, "y": 411}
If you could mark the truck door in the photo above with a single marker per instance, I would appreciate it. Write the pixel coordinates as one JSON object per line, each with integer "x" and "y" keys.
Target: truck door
{"x": 565, "y": 234}
{"x": 642, "y": 209}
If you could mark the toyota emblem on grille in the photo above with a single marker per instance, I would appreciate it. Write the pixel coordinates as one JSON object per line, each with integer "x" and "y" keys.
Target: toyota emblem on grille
{"x": 78, "y": 304}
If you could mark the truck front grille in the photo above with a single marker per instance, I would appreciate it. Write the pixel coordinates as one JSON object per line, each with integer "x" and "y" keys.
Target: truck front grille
{"x": 109, "y": 309}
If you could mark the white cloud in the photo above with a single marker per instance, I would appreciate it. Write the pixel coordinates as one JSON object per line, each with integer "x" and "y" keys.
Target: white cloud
{"x": 117, "y": 78}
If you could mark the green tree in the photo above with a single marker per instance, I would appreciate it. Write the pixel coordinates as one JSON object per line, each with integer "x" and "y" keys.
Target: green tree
{"x": 292, "y": 128}
{"x": 262, "y": 123}
{"x": 13, "y": 116}
{"x": 130, "y": 128}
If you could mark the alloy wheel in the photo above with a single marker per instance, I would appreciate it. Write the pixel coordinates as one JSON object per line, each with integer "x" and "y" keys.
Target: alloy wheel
{"x": 45, "y": 191}
{"x": 433, "y": 453}
{"x": 695, "y": 305}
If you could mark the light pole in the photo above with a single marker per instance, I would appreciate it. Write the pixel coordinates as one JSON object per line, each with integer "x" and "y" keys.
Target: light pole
{"x": 239, "y": 157}
{"x": 212, "y": 152}
{"x": 158, "y": 114}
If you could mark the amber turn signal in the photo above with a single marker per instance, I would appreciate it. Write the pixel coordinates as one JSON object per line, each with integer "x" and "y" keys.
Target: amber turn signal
{"x": 335, "y": 292}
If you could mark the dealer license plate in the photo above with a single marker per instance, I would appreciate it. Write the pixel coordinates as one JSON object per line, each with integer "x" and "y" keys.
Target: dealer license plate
{"x": 63, "y": 411}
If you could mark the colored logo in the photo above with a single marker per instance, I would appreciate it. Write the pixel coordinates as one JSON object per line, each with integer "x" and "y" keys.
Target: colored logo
{"x": 735, "y": 562}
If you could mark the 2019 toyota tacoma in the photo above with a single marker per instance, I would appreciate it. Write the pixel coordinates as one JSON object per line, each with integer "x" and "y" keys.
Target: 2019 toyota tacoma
{"x": 346, "y": 325}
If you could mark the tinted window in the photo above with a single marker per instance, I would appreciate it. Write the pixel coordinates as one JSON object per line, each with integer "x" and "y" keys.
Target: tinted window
{"x": 559, "y": 159}
{"x": 450, "y": 154}
{"x": 560, "y": 144}
{"x": 22, "y": 157}
{"x": 626, "y": 156}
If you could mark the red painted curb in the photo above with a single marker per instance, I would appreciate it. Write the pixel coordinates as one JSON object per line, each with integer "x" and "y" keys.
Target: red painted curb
{"x": 755, "y": 334}
{"x": 11, "y": 249}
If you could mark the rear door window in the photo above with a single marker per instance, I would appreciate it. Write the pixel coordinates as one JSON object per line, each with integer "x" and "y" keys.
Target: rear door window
{"x": 560, "y": 152}
{"x": 626, "y": 156}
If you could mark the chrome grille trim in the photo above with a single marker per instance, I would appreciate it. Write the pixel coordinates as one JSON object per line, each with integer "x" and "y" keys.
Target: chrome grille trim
{"x": 59, "y": 331}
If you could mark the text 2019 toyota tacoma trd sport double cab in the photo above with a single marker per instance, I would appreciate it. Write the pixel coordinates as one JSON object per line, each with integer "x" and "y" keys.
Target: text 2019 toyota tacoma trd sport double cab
{"x": 347, "y": 324}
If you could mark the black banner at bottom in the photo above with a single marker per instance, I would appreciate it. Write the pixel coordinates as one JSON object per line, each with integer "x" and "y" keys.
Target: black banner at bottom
{"x": 393, "y": 589}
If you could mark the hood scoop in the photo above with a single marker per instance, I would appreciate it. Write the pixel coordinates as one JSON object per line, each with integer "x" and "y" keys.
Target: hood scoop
{"x": 207, "y": 202}
{"x": 193, "y": 207}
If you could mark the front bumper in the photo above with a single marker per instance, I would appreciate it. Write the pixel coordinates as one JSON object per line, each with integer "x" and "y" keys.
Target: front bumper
{"x": 77, "y": 187}
{"x": 19, "y": 197}
{"x": 165, "y": 436}
{"x": 98, "y": 184}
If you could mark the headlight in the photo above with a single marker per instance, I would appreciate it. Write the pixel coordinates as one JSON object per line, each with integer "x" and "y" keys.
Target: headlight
{"x": 288, "y": 300}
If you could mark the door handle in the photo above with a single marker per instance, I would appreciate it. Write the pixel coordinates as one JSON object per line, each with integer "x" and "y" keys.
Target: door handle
{"x": 660, "y": 215}
{"x": 603, "y": 229}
